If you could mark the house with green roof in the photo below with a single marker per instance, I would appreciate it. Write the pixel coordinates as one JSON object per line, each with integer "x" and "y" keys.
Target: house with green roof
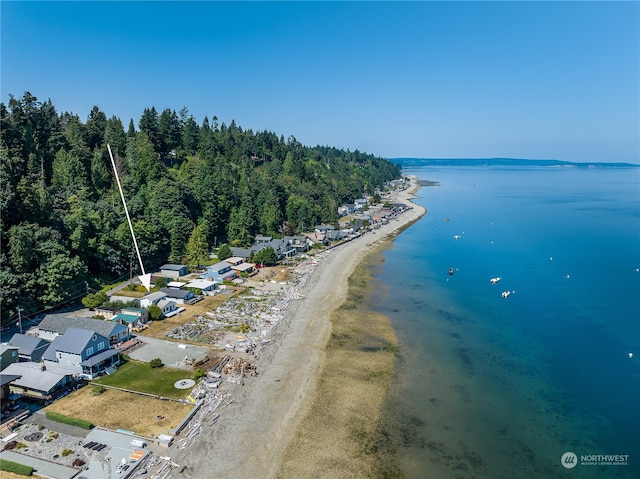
{"x": 131, "y": 321}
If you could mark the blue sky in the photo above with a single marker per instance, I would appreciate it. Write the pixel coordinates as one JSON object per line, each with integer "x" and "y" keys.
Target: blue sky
{"x": 416, "y": 79}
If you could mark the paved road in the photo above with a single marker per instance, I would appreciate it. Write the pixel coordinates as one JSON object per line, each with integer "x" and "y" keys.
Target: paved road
{"x": 38, "y": 417}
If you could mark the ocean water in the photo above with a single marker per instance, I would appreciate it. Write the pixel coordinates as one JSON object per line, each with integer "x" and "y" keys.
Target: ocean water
{"x": 498, "y": 387}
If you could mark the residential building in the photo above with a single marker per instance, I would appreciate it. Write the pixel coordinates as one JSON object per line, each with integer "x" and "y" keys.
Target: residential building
{"x": 131, "y": 321}
{"x": 299, "y": 243}
{"x": 36, "y": 381}
{"x": 260, "y": 239}
{"x": 107, "y": 312}
{"x": 243, "y": 268}
{"x": 151, "y": 299}
{"x": 82, "y": 352}
{"x": 5, "y": 392}
{"x": 30, "y": 348}
{"x": 8, "y": 355}
{"x": 54, "y": 325}
{"x": 174, "y": 270}
{"x": 203, "y": 285}
{"x": 180, "y": 296}
{"x": 141, "y": 313}
{"x": 346, "y": 209}
{"x": 220, "y": 272}
{"x": 167, "y": 306}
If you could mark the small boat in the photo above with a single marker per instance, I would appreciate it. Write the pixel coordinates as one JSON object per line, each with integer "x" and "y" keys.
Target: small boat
{"x": 495, "y": 280}
{"x": 456, "y": 237}
{"x": 450, "y": 271}
{"x": 505, "y": 294}
{"x": 630, "y": 355}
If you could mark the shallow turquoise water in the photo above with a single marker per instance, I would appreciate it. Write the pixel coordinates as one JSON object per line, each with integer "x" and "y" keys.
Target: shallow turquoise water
{"x": 494, "y": 387}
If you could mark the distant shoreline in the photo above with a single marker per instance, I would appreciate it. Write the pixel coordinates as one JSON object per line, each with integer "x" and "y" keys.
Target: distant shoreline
{"x": 521, "y": 162}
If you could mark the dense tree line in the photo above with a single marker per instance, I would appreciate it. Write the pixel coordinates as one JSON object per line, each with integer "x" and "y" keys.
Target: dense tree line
{"x": 187, "y": 186}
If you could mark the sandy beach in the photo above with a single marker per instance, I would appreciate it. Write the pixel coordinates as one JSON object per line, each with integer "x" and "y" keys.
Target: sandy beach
{"x": 251, "y": 437}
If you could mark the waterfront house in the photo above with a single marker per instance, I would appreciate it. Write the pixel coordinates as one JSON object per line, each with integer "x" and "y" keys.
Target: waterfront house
{"x": 180, "y": 296}
{"x": 282, "y": 248}
{"x": 220, "y": 272}
{"x": 206, "y": 286}
{"x": 167, "y": 306}
{"x": 81, "y": 352}
{"x": 243, "y": 268}
{"x": 299, "y": 243}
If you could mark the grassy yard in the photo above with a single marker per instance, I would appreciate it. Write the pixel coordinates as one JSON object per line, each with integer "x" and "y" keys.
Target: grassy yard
{"x": 115, "y": 409}
{"x": 140, "y": 376}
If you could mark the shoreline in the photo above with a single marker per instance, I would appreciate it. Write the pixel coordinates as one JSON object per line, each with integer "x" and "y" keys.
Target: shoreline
{"x": 253, "y": 435}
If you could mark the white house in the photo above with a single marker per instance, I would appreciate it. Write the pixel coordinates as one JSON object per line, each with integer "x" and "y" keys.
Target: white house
{"x": 152, "y": 298}
{"x": 167, "y": 306}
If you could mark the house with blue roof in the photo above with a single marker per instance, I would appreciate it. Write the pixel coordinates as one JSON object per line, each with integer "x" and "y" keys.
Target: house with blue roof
{"x": 81, "y": 352}
{"x": 30, "y": 348}
{"x": 35, "y": 380}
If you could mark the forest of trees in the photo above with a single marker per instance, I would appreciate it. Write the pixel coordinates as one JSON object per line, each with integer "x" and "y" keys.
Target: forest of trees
{"x": 186, "y": 185}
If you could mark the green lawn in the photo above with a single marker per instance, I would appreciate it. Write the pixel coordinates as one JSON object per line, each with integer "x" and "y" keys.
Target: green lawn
{"x": 139, "y": 376}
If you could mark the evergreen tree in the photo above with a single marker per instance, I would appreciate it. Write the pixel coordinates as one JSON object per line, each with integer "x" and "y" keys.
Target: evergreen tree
{"x": 149, "y": 124}
{"x": 197, "y": 247}
{"x": 224, "y": 252}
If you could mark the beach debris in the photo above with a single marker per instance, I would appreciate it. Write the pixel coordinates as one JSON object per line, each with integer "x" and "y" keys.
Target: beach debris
{"x": 240, "y": 366}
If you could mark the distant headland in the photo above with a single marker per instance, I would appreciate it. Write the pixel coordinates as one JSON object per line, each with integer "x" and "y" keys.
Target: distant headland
{"x": 408, "y": 162}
